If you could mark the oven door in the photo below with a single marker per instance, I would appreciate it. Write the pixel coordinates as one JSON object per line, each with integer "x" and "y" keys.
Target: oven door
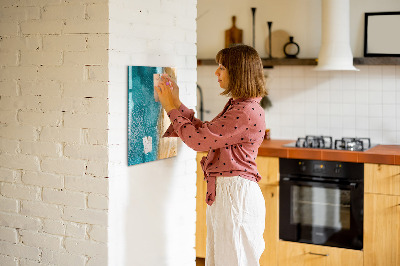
{"x": 321, "y": 212}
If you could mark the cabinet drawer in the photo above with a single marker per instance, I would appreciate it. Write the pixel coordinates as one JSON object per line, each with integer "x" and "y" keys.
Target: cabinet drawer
{"x": 382, "y": 179}
{"x": 299, "y": 254}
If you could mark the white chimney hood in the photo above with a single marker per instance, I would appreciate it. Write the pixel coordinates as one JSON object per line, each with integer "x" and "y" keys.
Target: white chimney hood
{"x": 335, "y": 52}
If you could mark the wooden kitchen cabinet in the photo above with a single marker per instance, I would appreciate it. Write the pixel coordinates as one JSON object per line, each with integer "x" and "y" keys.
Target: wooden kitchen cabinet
{"x": 382, "y": 215}
{"x": 382, "y": 179}
{"x": 268, "y": 168}
{"x": 381, "y": 230}
{"x": 271, "y": 232}
{"x": 300, "y": 254}
{"x": 201, "y": 205}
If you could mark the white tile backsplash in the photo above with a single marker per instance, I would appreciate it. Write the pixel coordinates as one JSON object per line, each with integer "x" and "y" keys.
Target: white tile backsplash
{"x": 389, "y": 124}
{"x": 375, "y": 110}
{"x": 375, "y": 83}
{"x": 362, "y": 110}
{"x": 375, "y": 123}
{"x": 349, "y": 122}
{"x": 363, "y": 103}
{"x": 348, "y": 109}
{"x": 323, "y": 108}
{"x": 323, "y": 95}
{"x": 349, "y": 96}
{"x": 362, "y": 123}
{"x": 388, "y": 72}
{"x": 375, "y": 97}
{"x": 389, "y": 97}
{"x": 362, "y": 97}
{"x": 336, "y": 96}
{"x": 336, "y": 122}
{"x": 348, "y": 132}
{"x": 389, "y": 83}
{"x": 336, "y": 109}
{"x": 389, "y": 111}
{"x": 310, "y": 108}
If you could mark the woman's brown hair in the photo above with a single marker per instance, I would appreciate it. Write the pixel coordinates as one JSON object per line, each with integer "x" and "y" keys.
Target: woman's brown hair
{"x": 245, "y": 69}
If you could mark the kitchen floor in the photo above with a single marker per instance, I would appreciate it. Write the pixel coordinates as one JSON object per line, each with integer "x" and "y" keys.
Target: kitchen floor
{"x": 200, "y": 262}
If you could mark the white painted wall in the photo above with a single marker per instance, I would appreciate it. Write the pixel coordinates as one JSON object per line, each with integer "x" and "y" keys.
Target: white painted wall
{"x": 152, "y": 205}
{"x": 53, "y": 132}
{"x": 341, "y": 104}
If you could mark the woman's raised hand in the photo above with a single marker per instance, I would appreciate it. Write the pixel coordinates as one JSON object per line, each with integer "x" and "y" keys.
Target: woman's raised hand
{"x": 165, "y": 95}
{"x": 175, "y": 91}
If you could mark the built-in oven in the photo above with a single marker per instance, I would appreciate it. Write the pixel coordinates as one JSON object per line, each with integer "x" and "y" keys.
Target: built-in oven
{"x": 321, "y": 202}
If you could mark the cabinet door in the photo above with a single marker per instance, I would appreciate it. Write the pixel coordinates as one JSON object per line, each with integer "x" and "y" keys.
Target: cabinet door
{"x": 299, "y": 254}
{"x": 382, "y": 179}
{"x": 271, "y": 232}
{"x": 268, "y": 168}
{"x": 201, "y": 205}
{"x": 381, "y": 230}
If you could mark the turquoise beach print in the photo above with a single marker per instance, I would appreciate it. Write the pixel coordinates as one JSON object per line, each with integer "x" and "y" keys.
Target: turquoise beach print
{"x": 147, "y": 120}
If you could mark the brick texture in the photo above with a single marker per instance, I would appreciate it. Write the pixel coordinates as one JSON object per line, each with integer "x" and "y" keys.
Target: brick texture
{"x": 53, "y": 119}
{"x": 63, "y": 79}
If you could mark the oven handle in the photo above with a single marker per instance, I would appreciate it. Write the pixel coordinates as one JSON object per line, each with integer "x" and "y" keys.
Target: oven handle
{"x": 310, "y": 182}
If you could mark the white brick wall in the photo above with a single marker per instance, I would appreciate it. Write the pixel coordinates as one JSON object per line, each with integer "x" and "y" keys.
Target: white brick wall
{"x": 60, "y": 139}
{"x": 53, "y": 132}
{"x": 152, "y": 205}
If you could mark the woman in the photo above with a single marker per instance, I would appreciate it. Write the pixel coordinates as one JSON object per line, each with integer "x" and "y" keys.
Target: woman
{"x": 236, "y": 211}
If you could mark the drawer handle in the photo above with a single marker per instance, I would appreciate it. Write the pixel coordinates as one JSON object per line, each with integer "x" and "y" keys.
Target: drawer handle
{"x": 318, "y": 254}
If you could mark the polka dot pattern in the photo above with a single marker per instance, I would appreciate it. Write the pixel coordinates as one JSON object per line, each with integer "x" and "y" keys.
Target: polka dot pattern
{"x": 232, "y": 139}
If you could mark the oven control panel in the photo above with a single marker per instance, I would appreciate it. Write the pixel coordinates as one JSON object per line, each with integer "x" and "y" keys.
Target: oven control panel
{"x": 331, "y": 169}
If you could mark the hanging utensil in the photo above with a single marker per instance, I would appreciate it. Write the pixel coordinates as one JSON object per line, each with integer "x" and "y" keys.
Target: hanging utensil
{"x": 253, "y": 10}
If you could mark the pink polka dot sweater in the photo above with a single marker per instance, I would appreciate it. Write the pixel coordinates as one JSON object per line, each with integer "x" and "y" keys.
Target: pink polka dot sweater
{"x": 232, "y": 139}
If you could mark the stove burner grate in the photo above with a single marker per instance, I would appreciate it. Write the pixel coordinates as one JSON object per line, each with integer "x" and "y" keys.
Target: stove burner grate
{"x": 322, "y": 142}
{"x": 353, "y": 144}
{"x": 326, "y": 142}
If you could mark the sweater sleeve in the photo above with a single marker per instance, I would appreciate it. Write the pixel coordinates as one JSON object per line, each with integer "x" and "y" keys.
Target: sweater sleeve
{"x": 187, "y": 113}
{"x": 232, "y": 127}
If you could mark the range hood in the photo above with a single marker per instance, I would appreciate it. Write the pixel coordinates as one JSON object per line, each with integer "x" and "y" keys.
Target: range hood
{"x": 335, "y": 52}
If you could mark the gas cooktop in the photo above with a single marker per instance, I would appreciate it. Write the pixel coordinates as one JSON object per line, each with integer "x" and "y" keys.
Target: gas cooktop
{"x": 326, "y": 142}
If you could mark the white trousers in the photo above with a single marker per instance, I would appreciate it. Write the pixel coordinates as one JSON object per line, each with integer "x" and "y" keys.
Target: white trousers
{"x": 235, "y": 223}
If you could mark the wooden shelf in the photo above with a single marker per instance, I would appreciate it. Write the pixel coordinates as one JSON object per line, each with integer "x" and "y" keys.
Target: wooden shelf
{"x": 377, "y": 61}
{"x": 289, "y": 62}
{"x": 269, "y": 63}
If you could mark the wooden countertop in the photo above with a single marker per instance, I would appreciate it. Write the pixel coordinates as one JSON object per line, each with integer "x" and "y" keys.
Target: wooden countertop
{"x": 380, "y": 154}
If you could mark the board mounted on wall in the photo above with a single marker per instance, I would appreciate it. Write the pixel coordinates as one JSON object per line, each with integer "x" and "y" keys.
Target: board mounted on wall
{"x": 147, "y": 120}
{"x": 381, "y": 34}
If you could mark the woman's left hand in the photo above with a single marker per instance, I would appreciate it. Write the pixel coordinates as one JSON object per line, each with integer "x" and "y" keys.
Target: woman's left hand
{"x": 165, "y": 95}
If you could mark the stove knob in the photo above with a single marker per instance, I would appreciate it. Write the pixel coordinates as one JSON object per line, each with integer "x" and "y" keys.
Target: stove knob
{"x": 338, "y": 169}
{"x": 302, "y": 166}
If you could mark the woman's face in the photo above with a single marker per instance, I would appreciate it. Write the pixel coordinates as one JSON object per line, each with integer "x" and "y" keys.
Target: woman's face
{"x": 223, "y": 76}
